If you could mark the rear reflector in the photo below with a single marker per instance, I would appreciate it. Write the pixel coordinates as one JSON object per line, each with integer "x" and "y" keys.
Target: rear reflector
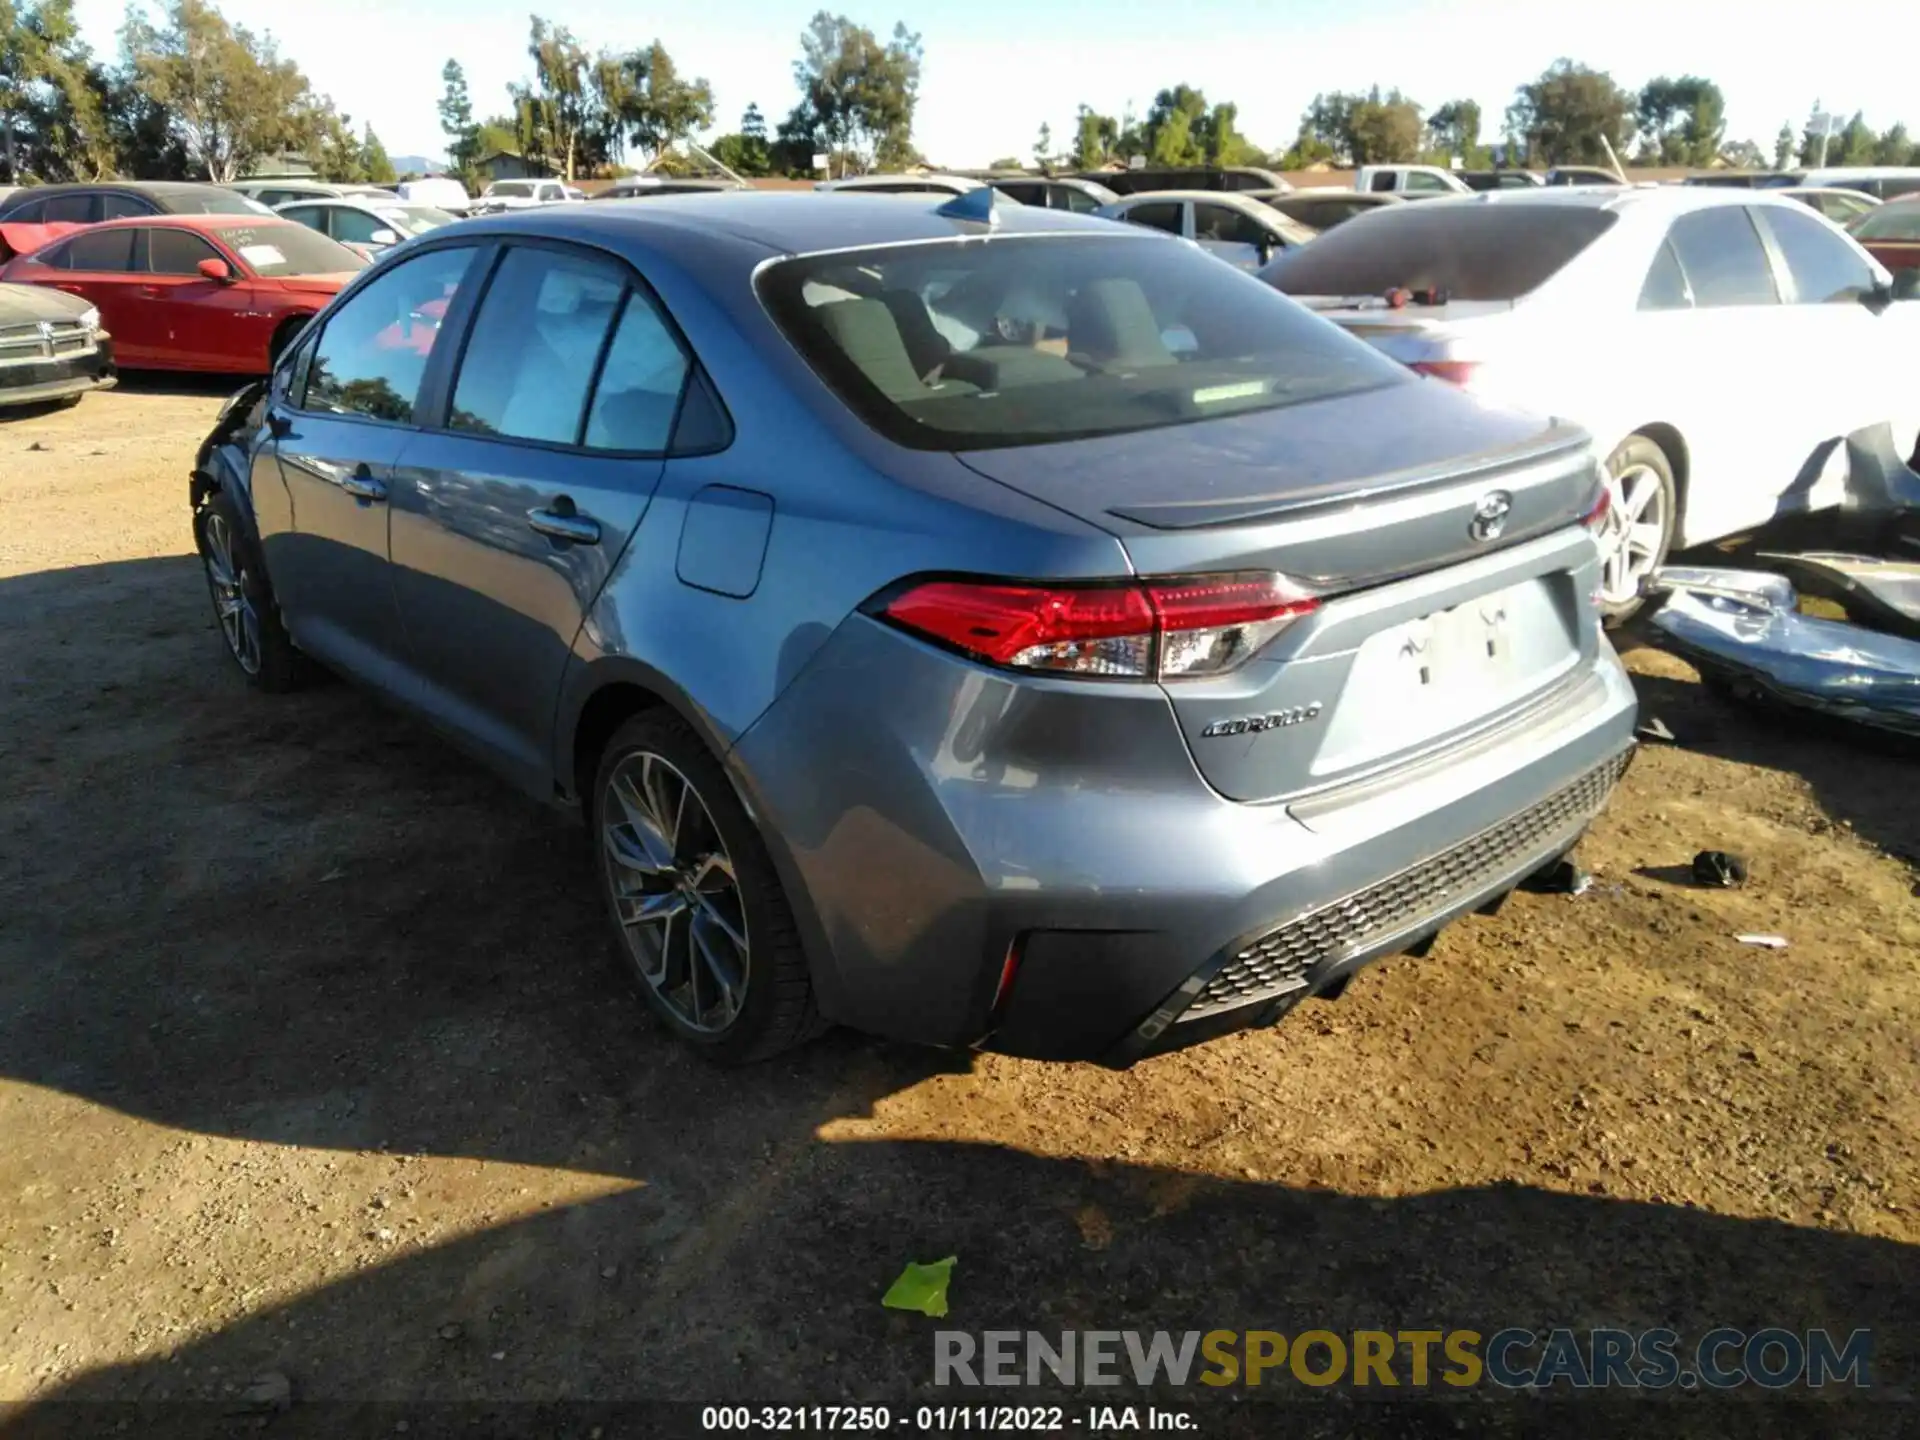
{"x": 1596, "y": 518}
{"x": 1164, "y": 628}
{"x": 1454, "y": 372}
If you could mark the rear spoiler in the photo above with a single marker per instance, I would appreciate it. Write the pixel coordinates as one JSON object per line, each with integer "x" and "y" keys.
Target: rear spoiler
{"x": 23, "y": 239}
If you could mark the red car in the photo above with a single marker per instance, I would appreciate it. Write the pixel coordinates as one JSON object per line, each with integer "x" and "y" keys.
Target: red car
{"x": 1891, "y": 233}
{"x": 195, "y": 292}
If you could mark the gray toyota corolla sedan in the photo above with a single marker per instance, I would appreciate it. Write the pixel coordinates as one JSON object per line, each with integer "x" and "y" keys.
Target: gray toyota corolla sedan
{"x": 986, "y": 629}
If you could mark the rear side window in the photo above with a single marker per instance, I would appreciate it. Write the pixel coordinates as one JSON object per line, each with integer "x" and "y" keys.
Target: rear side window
{"x": 640, "y": 384}
{"x": 536, "y": 342}
{"x": 77, "y": 209}
{"x": 1721, "y": 253}
{"x": 1826, "y": 270}
{"x": 1026, "y": 194}
{"x": 374, "y": 351}
{"x": 1666, "y": 283}
{"x": 1225, "y": 224}
{"x": 1420, "y": 180}
{"x": 1156, "y": 215}
{"x": 960, "y": 346}
{"x": 1471, "y": 250}
{"x": 100, "y": 250}
{"x": 177, "y": 252}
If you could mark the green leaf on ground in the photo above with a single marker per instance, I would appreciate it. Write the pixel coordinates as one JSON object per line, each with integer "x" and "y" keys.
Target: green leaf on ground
{"x": 921, "y": 1287}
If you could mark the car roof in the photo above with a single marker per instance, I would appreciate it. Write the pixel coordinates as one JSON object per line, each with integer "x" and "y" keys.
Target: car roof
{"x": 1229, "y": 197}
{"x": 1654, "y": 199}
{"x": 196, "y": 221}
{"x": 760, "y": 222}
{"x": 144, "y": 187}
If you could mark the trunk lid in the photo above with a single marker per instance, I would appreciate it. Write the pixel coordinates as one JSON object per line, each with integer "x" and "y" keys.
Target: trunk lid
{"x": 1436, "y": 622}
{"x": 1412, "y": 334}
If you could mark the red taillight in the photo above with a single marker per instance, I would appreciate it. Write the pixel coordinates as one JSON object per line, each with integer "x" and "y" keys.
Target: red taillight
{"x": 1454, "y": 372}
{"x": 1008, "y": 969}
{"x": 1196, "y": 625}
{"x": 1596, "y": 518}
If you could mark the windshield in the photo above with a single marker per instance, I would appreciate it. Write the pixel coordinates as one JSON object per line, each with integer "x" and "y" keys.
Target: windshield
{"x": 511, "y": 189}
{"x": 1470, "y": 250}
{"x": 1889, "y": 222}
{"x": 1020, "y": 340}
{"x": 413, "y": 219}
{"x": 283, "y": 248}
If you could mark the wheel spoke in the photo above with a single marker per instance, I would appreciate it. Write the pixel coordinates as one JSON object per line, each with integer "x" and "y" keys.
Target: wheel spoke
{"x": 650, "y": 849}
{"x": 720, "y": 967}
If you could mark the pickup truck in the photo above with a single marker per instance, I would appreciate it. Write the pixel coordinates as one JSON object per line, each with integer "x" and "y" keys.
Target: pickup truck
{"x": 1414, "y": 182}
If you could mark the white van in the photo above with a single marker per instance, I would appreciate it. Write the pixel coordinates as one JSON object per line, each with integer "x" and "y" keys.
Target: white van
{"x": 440, "y": 191}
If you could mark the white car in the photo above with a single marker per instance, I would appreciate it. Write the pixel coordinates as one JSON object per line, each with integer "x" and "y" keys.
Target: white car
{"x": 368, "y": 226}
{"x": 525, "y": 195}
{"x": 1719, "y": 344}
{"x": 1239, "y": 229}
{"x": 442, "y": 192}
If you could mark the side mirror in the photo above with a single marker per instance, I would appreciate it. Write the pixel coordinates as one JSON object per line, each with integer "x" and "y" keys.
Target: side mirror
{"x": 216, "y": 270}
{"x": 1267, "y": 251}
{"x": 383, "y": 237}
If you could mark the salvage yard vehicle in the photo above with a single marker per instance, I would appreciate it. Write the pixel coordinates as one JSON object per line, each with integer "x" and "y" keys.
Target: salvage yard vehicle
{"x": 1322, "y": 208}
{"x": 1414, "y": 182}
{"x": 52, "y": 347}
{"x": 222, "y": 293}
{"x": 1664, "y": 320}
{"x": 1240, "y": 230}
{"x": 931, "y": 646}
{"x": 1843, "y": 207}
{"x": 366, "y": 225}
{"x": 90, "y": 202}
{"x": 1891, "y": 234}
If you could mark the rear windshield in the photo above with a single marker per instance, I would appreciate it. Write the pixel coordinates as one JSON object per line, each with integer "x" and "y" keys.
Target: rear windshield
{"x": 281, "y": 248}
{"x": 213, "y": 200}
{"x": 512, "y": 189}
{"x": 1473, "y": 251}
{"x": 1022, "y": 340}
{"x": 1889, "y": 222}
{"x": 413, "y": 219}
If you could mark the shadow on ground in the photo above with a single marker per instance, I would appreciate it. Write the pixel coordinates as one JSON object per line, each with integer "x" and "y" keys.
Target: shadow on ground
{"x": 306, "y": 922}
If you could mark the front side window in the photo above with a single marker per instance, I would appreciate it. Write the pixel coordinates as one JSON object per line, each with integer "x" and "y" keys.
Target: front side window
{"x": 1899, "y": 224}
{"x": 123, "y": 207}
{"x": 1385, "y": 181}
{"x": 1224, "y": 224}
{"x": 536, "y": 338}
{"x": 1826, "y": 270}
{"x": 1156, "y": 215}
{"x": 961, "y": 346}
{"x": 357, "y": 227}
{"x": 373, "y": 353}
{"x": 1721, "y": 253}
{"x": 177, "y": 252}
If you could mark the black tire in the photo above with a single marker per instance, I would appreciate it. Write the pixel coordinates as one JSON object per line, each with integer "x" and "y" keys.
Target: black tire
{"x": 1638, "y": 452}
{"x": 777, "y": 1010}
{"x": 283, "y": 337}
{"x": 271, "y": 663}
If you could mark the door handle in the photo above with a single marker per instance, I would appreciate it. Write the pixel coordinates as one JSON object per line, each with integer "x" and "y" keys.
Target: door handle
{"x": 363, "y": 485}
{"x": 560, "y": 523}
{"x": 153, "y": 292}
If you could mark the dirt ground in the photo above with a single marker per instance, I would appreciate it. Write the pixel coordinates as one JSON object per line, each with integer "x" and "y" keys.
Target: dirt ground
{"x": 315, "y": 1063}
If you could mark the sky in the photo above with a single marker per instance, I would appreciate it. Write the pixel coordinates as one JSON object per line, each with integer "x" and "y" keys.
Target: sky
{"x": 994, "y": 70}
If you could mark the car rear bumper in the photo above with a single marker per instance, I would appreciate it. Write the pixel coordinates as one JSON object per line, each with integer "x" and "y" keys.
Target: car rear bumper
{"x": 931, "y": 819}
{"x": 33, "y": 382}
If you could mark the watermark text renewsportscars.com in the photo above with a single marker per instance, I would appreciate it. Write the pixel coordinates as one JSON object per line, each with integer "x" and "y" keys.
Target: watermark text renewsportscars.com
{"x": 1513, "y": 1359}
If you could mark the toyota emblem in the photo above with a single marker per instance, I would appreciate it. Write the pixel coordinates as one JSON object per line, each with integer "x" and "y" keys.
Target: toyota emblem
{"x": 1490, "y": 516}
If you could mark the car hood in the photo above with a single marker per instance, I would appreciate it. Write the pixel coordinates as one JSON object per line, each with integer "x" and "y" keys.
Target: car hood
{"x": 25, "y": 304}
{"x": 1248, "y": 467}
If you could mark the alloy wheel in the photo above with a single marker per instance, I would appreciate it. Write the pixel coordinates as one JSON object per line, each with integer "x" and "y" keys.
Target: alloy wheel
{"x": 674, "y": 892}
{"x": 227, "y": 578}
{"x": 1635, "y": 531}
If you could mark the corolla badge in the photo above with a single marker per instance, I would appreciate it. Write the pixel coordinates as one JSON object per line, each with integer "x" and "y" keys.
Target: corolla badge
{"x": 1272, "y": 720}
{"x": 1490, "y": 516}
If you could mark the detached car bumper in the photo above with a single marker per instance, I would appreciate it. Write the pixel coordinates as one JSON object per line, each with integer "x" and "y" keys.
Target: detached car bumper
{"x": 1037, "y": 867}
{"x": 33, "y": 380}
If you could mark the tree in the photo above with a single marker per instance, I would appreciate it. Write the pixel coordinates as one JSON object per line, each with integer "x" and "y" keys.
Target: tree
{"x": 1093, "y": 138}
{"x": 1743, "y": 155}
{"x": 456, "y": 120}
{"x": 229, "y": 94}
{"x": 1043, "y": 147}
{"x": 55, "y": 102}
{"x": 650, "y": 106}
{"x": 1006, "y": 162}
{"x": 1566, "y": 115}
{"x": 746, "y": 151}
{"x": 1384, "y": 131}
{"x": 1783, "y": 145}
{"x": 1895, "y": 147}
{"x": 335, "y": 152}
{"x": 1681, "y": 122}
{"x": 1455, "y": 130}
{"x": 1855, "y": 145}
{"x": 374, "y": 162}
{"x": 559, "y": 116}
{"x": 1326, "y": 130}
{"x": 856, "y": 95}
